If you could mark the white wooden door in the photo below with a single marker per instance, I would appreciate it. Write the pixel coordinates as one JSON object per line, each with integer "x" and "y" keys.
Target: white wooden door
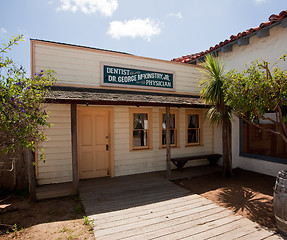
{"x": 93, "y": 143}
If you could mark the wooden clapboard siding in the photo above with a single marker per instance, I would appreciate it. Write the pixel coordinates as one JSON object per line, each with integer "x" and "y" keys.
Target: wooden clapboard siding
{"x": 81, "y": 66}
{"x": 51, "y": 168}
{"x": 58, "y": 165}
{"x": 140, "y": 161}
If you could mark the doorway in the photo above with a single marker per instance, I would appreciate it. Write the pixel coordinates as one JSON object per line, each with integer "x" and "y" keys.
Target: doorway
{"x": 94, "y": 142}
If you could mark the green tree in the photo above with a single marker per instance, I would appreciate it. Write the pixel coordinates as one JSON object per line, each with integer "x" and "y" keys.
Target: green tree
{"x": 219, "y": 113}
{"x": 260, "y": 89}
{"x": 22, "y": 116}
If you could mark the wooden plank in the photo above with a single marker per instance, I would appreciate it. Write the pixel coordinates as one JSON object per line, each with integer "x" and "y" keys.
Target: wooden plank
{"x": 144, "y": 209}
{"x": 259, "y": 234}
{"x": 54, "y": 190}
{"x": 112, "y": 187}
{"x": 240, "y": 231}
{"x": 154, "y": 208}
{"x": 199, "y": 230}
{"x": 208, "y": 231}
{"x": 31, "y": 174}
{"x": 125, "y": 203}
{"x": 168, "y": 149}
{"x": 58, "y": 180}
{"x": 164, "y": 229}
{"x": 205, "y": 156}
{"x": 153, "y": 213}
{"x": 139, "y": 222}
{"x": 274, "y": 237}
{"x": 74, "y": 149}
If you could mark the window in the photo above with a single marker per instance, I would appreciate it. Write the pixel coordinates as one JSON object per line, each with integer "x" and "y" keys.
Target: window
{"x": 174, "y": 133}
{"x": 140, "y": 128}
{"x": 193, "y": 128}
{"x": 262, "y": 143}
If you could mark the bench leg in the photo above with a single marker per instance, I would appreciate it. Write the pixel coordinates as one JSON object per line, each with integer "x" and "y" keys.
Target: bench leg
{"x": 213, "y": 161}
{"x": 181, "y": 165}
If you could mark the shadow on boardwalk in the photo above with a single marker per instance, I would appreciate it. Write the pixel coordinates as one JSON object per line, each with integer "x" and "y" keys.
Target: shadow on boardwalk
{"x": 112, "y": 194}
{"x": 247, "y": 193}
{"x": 147, "y": 206}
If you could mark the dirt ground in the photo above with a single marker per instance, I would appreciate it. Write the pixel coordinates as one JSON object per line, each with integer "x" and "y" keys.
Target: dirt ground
{"x": 61, "y": 218}
{"x": 246, "y": 193}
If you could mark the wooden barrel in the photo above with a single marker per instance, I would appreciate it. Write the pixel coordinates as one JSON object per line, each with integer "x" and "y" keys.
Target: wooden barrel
{"x": 280, "y": 201}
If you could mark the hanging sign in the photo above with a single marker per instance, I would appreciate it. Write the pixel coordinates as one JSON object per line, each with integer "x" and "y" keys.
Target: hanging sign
{"x": 135, "y": 77}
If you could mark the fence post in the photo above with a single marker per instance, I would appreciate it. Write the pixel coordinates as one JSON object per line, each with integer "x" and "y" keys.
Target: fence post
{"x": 31, "y": 174}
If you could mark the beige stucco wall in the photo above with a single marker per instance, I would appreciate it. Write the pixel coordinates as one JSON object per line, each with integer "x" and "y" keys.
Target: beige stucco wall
{"x": 82, "y": 66}
{"x": 269, "y": 48}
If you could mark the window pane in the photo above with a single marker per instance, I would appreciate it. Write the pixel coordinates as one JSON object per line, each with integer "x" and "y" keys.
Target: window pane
{"x": 172, "y": 137}
{"x": 193, "y": 136}
{"x": 193, "y": 121}
{"x": 140, "y": 138}
{"x": 140, "y": 121}
{"x": 163, "y": 141}
{"x": 261, "y": 142}
{"x": 172, "y": 121}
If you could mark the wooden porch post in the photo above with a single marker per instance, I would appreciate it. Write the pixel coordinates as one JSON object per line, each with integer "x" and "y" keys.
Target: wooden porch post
{"x": 74, "y": 148}
{"x": 168, "y": 150}
{"x": 31, "y": 174}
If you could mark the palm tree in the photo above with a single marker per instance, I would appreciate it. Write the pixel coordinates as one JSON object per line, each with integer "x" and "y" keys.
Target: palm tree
{"x": 219, "y": 113}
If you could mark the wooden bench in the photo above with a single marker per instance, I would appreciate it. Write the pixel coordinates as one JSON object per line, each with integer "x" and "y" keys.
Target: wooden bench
{"x": 179, "y": 162}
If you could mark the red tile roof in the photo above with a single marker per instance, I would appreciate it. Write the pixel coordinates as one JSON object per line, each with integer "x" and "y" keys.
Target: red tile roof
{"x": 272, "y": 19}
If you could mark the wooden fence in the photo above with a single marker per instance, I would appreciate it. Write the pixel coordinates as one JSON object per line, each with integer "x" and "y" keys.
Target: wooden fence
{"x": 14, "y": 170}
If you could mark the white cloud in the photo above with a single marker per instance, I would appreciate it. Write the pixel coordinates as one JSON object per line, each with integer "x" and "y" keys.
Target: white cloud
{"x": 260, "y": 1}
{"x": 3, "y": 33}
{"x": 105, "y": 7}
{"x": 3, "y": 30}
{"x": 177, "y": 15}
{"x": 144, "y": 28}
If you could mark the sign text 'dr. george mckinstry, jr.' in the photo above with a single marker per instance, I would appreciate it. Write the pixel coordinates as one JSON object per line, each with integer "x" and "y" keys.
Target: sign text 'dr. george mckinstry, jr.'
{"x": 136, "y": 77}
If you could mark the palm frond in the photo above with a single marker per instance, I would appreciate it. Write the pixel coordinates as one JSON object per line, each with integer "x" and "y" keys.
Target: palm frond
{"x": 212, "y": 90}
{"x": 214, "y": 116}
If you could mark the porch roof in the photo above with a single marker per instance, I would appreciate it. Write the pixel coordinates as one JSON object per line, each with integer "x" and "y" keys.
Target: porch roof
{"x": 63, "y": 94}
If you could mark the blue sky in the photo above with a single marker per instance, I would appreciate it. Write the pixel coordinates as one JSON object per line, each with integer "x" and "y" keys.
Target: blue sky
{"x": 162, "y": 29}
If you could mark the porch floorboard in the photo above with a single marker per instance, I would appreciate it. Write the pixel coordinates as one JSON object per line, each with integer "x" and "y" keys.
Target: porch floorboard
{"x": 147, "y": 206}
{"x": 66, "y": 189}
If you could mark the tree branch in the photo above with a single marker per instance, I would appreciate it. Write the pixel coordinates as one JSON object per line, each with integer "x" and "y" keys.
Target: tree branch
{"x": 282, "y": 121}
{"x": 266, "y": 129}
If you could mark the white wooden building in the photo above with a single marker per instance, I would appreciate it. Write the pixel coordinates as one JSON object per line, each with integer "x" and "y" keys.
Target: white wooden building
{"x": 111, "y": 124}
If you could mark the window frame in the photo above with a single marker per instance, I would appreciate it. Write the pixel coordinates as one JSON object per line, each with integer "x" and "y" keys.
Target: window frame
{"x": 147, "y": 111}
{"x": 176, "y": 113}
{"x": 194, "y": 112}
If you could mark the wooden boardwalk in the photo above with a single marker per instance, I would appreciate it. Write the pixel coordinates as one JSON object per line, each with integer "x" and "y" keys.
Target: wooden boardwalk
{"x": 147, "y": 206}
